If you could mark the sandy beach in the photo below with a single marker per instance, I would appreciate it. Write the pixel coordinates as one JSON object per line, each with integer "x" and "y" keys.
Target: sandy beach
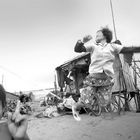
{"x": 123, "y": 127}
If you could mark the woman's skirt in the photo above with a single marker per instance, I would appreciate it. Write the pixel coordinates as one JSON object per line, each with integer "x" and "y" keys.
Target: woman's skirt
{"x": 99, "y": 84}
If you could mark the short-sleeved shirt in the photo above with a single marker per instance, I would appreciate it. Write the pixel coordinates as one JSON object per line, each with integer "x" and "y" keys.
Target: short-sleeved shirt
{"x": 102, "y": 57}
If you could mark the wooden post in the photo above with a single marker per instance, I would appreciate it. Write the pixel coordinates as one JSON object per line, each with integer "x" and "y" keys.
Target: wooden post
{"x": 76, "y": 82}
{"x": 119, "y": 107}
{"x": 137, "y": 97}
{"x": 135, "y": 76}
{"x": 55, "y": 85}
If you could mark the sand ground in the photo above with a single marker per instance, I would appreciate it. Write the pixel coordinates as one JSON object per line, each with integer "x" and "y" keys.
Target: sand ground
{"x": 123, "y": 127}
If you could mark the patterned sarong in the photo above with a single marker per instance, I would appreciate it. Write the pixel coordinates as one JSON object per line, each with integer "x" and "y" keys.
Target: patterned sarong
{"x": 102, "y": 85}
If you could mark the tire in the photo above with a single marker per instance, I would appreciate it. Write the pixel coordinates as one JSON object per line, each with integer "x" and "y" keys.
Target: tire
{"x": 95, "y": 106}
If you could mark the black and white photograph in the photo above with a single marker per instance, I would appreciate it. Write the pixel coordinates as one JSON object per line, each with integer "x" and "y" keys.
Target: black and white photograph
{"x": 69, "y": 70}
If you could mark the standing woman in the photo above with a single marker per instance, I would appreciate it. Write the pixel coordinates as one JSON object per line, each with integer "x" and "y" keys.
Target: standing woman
{"x": 101, "y": 73}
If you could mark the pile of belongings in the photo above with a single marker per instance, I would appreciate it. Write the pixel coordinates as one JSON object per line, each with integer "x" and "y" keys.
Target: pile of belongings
{"x": 11, "y": 106}
{"x": 59, "y": 109}
{"x": 51, "y": 111}
{"x": 67, "y": 102}
{"x": 49, "y": 100}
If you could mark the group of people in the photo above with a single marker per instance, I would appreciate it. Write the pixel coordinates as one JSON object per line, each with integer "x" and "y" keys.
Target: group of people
{"x": 101, "y": 73}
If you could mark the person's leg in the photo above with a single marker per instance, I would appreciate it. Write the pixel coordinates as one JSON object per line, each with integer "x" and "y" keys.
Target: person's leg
{"x": 105, "y": 95}
{"x": 75, "y": 110}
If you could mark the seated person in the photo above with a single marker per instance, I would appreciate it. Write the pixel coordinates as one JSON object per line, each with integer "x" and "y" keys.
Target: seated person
{"x": 16, "y": 126}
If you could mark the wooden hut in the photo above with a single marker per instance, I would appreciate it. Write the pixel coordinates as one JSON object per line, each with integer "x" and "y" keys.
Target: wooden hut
{"x": 78, "y": 69}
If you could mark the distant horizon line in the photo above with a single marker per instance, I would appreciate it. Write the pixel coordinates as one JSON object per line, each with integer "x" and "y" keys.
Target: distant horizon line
{"x": 32, "y": 90}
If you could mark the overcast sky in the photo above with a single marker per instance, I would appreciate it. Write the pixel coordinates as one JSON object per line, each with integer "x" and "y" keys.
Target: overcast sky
{"x": 38, "y": 35}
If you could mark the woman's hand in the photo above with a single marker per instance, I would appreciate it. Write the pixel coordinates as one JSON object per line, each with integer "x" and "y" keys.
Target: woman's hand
{"x": 87, "y": 38}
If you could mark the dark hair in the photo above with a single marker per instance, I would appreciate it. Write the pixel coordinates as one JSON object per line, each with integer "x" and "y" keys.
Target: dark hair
{"x": 2, "y": 96}
{"x": 24, "y": 98}
{"x": 107, "y": 34}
